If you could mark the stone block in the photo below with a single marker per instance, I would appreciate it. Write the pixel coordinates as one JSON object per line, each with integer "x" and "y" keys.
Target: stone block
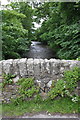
{"x": 7, "y": 66}
{"x": 30, "y": 70}
{"x": 22, "y": 67}
{"x": 15, "y": 67}
{"x": 62, "y": 69}
{"x": 49, "y": 84}
{"x": 74, "y": 63}
{"x": 47, "y": 66}
{"x": 0, "y": 68}
{"x": 16, "y": 79}
{"x": 55, "y": 67}
{"x": 36, "y": 68}
{"x": 42, "y": 68}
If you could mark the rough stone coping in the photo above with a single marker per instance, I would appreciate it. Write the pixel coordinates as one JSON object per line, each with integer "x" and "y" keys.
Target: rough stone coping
{"x": 37, "y": 67}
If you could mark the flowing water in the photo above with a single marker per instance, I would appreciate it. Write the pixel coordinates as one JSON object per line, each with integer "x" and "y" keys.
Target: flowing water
{"x": 38, "y": 50}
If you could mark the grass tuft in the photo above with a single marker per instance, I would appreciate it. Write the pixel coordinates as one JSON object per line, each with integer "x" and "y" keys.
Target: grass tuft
{"x": 63, "y": 106}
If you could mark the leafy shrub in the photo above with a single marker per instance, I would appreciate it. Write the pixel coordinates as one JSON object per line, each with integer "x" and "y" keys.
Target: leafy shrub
{"x": 72, "y": 77}
{"x": 78, "y": 58}
{"x": 67, "y": 85}
{"x": 60, "y": 28}
{"x": 7, "y": 79}
{"x": 38, "y": 98}
{"x": 15, "y": 37}
{"x": 26, "y": 90}
{"x": 66, "y": 41}
{"x": 11, "y": 54}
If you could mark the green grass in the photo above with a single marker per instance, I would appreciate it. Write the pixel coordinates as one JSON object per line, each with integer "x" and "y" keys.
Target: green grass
{"x": 0, "y": 109}
{"x": 63, "y": 106}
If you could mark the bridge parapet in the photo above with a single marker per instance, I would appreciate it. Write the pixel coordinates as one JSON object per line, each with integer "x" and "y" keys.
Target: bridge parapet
{"x": 37, "y": 68}
{"x": 43, "y": 70}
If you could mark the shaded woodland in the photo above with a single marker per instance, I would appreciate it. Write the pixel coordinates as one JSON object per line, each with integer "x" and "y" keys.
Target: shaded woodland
{"x": 60, "y": 29}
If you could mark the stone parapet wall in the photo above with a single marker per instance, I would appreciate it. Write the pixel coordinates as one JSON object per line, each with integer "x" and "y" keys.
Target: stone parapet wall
{"x": 43, "y": 70}
{"x": 37, "y": 68}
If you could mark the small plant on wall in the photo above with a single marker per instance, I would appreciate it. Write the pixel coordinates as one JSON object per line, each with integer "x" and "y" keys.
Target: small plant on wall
{"x": 67, "y": 85}
{"x": 27, "y": 90}
{"x": 8, "y": 79}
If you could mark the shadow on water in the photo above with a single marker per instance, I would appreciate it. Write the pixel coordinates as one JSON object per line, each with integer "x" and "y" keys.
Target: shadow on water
{"x": 38, "y": 50}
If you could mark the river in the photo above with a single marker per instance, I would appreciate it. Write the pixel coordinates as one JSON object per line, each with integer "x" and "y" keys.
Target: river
{"x": 38, "y": 50}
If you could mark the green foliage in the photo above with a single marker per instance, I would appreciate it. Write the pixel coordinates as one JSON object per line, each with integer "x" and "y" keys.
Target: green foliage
{"x": 68, "y": 40}
{"x": 11, "y": 13}
{"x": 37, "y": 99}
{"x": 78, "y": 58}
{"x": 60, "y": 28}
{"x": 62, "y": 106}
{"x": 72, "y": 77}
{"x": 15, "y": 38}
{"x": 67, "y": 85}
{"x": 8, "y": 79}
{"x": 13, "y": 34}
{"x": 26, "y": 90}
{"x": 27, "y": 10}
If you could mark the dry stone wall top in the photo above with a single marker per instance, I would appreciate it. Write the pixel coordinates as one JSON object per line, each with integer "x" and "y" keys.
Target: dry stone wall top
{"x": 37, "y": 68}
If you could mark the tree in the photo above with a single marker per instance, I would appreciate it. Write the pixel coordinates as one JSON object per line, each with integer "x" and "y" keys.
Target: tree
{"x": 15, "y": 37}
{"x": 61, "y": 28}
{"x": 26, "y": 9}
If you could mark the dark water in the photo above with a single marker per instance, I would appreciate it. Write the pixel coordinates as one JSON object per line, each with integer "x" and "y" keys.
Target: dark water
{"x": 38, "y": 50}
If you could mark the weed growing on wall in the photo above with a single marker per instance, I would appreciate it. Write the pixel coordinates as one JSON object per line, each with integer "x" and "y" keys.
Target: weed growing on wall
{"x": 8, "y": 79}
{"x": 67, "y": 85}
{"x": 27, "y": 90}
